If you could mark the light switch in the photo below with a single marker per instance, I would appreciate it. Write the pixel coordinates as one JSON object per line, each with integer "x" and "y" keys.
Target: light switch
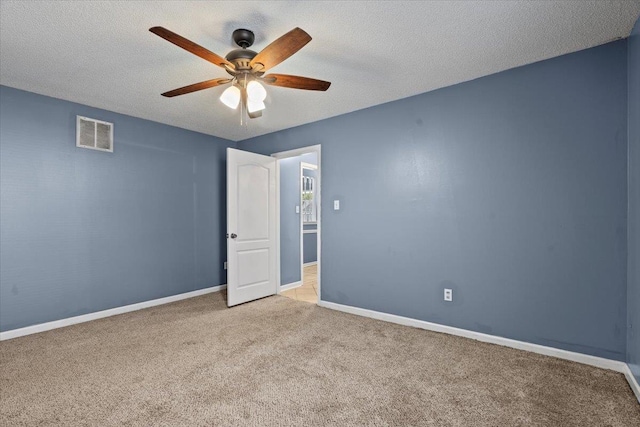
{"x": 336, "y": 205}
{"x": 297, "y": 209}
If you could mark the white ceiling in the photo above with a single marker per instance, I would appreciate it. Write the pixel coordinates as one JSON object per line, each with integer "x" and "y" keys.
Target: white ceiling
{"x": 102, "y": 54}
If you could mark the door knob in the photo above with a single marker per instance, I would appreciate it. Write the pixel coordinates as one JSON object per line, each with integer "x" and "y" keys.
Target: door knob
{"x": 234, "y": 235}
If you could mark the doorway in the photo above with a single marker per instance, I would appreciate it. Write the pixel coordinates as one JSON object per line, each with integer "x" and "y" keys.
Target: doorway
{"x": 299, "y": 223}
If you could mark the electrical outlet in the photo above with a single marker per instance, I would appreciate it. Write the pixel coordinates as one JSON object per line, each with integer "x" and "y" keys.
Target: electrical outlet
{"x": 448, "y": 295}
{"x": 225, "y": 265}
{"x": 336, "y": 205}
{"x": 297, "y": 209}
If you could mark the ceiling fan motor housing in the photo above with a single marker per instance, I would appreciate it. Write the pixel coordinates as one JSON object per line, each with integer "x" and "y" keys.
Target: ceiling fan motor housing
{"x": 241, "y": 57}
{"x": 243, "y": 38}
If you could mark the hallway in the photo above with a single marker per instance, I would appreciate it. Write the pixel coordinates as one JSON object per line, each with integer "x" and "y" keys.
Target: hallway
{"x": 308, "y": 292}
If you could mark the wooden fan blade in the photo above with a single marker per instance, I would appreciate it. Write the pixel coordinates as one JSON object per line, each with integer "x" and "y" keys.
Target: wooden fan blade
{"x": 192, "y": 47}
{"x": 296, "y": 82}
{"x": 281, "y": 49}
{"x": 196, "y": 87}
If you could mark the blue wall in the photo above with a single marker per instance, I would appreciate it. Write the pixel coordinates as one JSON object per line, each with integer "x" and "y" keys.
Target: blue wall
{"x": 310, "y": 247}
{"x": 510, "y": 189}
{"x": 84, "y": 231}
{"x": 633, "y": 269}
{"x": 289, "y": 221}
{"x": 290, "y": 195}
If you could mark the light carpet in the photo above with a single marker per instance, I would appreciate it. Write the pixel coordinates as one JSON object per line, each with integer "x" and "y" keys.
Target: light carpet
{"x": 280, "y": 362}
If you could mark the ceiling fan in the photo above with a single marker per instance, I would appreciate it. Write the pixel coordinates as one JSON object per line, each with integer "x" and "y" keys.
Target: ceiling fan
{"x": 247, "y": 68}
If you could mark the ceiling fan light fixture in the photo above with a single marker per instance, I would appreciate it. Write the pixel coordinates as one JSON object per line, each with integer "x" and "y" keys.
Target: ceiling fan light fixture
{"x": 246, "y": 68}
{"x": 253, "y": 106}
{"x": 256, "y": 92}
{"x": 231, "y": 97}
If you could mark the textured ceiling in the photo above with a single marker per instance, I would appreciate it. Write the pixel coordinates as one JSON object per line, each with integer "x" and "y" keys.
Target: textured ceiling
{"x": 102, "y": 54}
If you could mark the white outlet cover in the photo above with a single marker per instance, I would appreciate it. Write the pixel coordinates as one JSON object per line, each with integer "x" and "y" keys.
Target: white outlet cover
{"x": 336, "y": 205}
{"x": 448, "y": 295}
{"x": 297, "y": 209}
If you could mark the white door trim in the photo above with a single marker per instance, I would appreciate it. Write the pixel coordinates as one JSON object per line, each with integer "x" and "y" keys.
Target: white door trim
{"x": 285, "y": 155}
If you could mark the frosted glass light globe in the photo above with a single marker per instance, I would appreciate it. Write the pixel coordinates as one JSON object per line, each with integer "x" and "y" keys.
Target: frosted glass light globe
{"x": 231, "y": 97}
{"x": 253, "y": 106}
{"x": 256, "y": 92}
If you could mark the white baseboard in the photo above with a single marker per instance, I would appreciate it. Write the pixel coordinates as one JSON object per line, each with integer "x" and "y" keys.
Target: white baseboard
{"x": 42, "y": 327}
{"x": 307, "y": 264}
{"x": 586, "y": 359}
{"x": 598, "y": 362}
{"x": 632, "y": 382}
{"x": 290, "y": 286}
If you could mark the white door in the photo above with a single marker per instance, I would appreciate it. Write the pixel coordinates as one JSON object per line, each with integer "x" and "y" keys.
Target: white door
{"x": 251, "y": 226}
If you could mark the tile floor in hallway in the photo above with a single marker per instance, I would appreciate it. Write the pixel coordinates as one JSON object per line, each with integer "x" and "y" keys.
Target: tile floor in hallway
{"x": 308, "y": 292}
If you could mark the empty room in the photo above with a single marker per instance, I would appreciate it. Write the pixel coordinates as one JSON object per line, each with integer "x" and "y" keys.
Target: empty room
{"x": 320, "y": 213}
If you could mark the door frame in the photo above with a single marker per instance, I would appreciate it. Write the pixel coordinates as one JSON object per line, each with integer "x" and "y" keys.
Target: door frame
{"x": 285, "y": 155}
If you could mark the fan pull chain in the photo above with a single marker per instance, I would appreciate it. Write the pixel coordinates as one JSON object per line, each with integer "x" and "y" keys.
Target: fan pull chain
{"x": 243, "y": 103}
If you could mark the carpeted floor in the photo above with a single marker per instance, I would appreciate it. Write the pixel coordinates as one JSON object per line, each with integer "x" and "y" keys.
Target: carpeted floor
{"x": 280, "y": 362}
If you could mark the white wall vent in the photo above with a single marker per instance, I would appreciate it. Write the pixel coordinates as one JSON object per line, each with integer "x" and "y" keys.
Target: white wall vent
{"x": 94, "y": 134}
